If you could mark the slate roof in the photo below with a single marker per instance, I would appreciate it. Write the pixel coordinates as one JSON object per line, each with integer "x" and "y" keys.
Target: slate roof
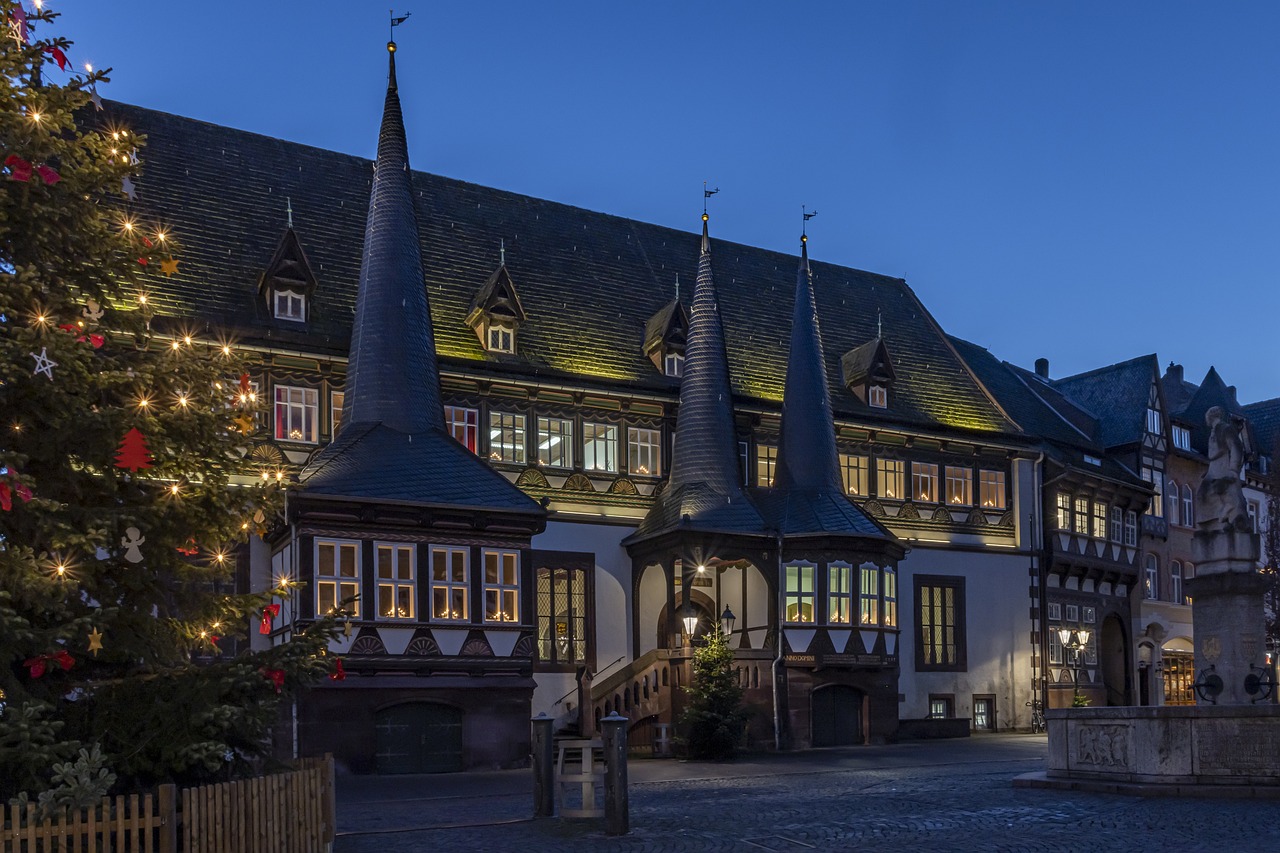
{"x": 1212, "y": 392}
{"x": 1116, "y": 395}
{"x": 588, "y": 281}
{"x": 1265, "y": 418}
{"x": 858, "y": 363}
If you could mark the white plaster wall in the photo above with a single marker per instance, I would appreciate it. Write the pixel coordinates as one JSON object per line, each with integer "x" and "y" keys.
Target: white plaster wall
{"x": 653, "y": 597}
{"x": 997, "y": 632}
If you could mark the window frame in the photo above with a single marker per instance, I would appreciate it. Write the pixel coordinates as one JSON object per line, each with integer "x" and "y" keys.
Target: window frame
{"x": 283, "y": 426}
{"x": 1099, "y": 520}
{"x": 799, "y": 595}
{"x": 1173, "y": 512}
{"x": 337, "y": 401}
{"x": 503, "y": 590}
{"x": 450, "y": 585}
{"x": 1181, "y": 437}
{"x": 518, "y": 427}
{"x": 962, "y": 476}
{"x": 869, "y": 613}
{"x": 578, "y": 589}
{"x": 1081, "y": 515}
{"x": 855, "y": 473}
{"x": 1188, "y": 506}
{"x": 563, "y": 446}
{"x": 1063, "y": 503}
{"x": 337, "y": 580}
{"x": 766, "y": 464}
{"x": 591, "y": 447}
{"x": 636, "y": 449}
{"x": 889, "y": 595}
{"x": 289, "y": 297}
{"x": 506, "y": 338}
{"x": 996, "y": 485}
{"x": 839, "y": 593}
{"x": 1175, "y": 582}
{"x": 1130, "y": 529}
{"x": 890, "y": 469}
{"x": 877, "y": 396}
{"x": 924, "y": 474}
{"x": 1117, "y": 524}
{"x": 673, "y": 365}
{"x": 959, "y": 634}
{"x": 1151, "y": 578}
{"x": 465, "y": 431}
{"x": 394, "y": 582}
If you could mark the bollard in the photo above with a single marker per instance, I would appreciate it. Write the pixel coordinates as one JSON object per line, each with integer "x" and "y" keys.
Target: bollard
{"x": 616, "y": 817}
{"x": 544, "y": 799}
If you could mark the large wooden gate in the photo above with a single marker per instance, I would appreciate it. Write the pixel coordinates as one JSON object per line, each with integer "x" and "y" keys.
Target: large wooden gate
{"x": 419, "y": 737}
{"x": 837, "y": 716}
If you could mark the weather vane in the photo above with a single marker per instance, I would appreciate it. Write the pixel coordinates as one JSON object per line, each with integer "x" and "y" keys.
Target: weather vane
{"x": 806, "y": 216}
{"x": 397, "y": 21}
{"x": 706, "y": 194}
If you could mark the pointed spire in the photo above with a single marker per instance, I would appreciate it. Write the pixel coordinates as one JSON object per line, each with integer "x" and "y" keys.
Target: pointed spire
{"x": 705, "y": 448}
{"x": 807, "y": 458}
{"x": 393, "y": 377}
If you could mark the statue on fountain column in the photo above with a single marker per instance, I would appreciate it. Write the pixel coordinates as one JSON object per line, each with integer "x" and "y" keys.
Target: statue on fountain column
{"x": 1220, "y": 498}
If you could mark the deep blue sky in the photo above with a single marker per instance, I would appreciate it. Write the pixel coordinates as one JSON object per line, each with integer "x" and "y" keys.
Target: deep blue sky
{"x": 1085, "y": 181}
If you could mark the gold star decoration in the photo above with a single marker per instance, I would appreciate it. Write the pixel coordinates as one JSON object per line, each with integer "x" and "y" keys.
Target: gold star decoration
{"x": 245, "y": 424}
{"x": 95, "y": 641}
{"x": 169, "y": 267}
{"x": 346, "y": 628}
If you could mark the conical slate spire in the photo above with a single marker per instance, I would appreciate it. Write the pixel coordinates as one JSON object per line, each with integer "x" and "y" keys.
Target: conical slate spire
{"x": 705, "y": 448}
{"x": 807, "y": 458}
{"x": 393, "y": 377}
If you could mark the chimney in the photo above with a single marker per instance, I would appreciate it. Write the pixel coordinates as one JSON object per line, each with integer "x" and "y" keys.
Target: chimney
{"x": 1231, "y": 395}
{"x": 1042, "y": 368}
{"x": 1173, "y": 373}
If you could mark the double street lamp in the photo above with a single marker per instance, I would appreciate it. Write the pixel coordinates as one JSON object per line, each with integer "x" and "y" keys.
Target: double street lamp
{"x": 690, "y": 621}
{"x": 1074, "y": 640}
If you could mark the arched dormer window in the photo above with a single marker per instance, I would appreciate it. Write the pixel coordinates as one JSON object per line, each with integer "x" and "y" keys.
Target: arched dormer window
{"x": 868, "y": 373}
{"x": 288, "y": 284}
{"x": 496, "y": 314}
{"x": 664, "y": 338}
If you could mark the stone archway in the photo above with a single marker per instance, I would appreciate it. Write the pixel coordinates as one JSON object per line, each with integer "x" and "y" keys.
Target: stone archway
{"x": 702, "y": 605}
{"x": 1113, "y": 661}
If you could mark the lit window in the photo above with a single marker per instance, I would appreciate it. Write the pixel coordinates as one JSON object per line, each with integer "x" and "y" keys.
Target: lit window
{"x": 464, "y": 425}
{"x": 839, "y": 594}
{"x": 673, "y": 364}
{"x": 799, "y": 592}
{"x": 890, "y": 578}
{"x": 1082, "y": 516}
{"x": 396, "y": 586}
{"x": 1064, "y": 511}
{"x": 555, "y": 442}
{"x": 1188, "y": 506}
{"x": 501, "y": 586}
{"x": 600, "y": 447}
{"x": 959, "y": 486}
{"x": 1099, "y": 520}
{"x": 991, "y": 489}
{"x": 766, "y": 460}
{"x": 924, "y": 481}
{"x": 336, "y": 399}
{"x": 1181, "y": 437}
{"x": 297, "y": 413}
{"x": 877, "y": 397}
{"x": 854, "y": 471}
{"x": 1130, "y": 528}
{"x": 644, "y": 451}
{"x": 1151, "y": 578}
{"x": 869, "y": 596}
{"x": 1175, "y": 582}
{"x": 1188, "y": 572}
{"x": 1173, "y": 502}
{"x": 563, "y": 610}
{"x": 449, "y": 585}
{"x": 940, "y": 633}
{"x": 501, "y": 339}
{"x": 506, "y": 437}
{"x": 890, "y": 474}
{"x": 1117, "y": 523}
{"x": 1156, "y": 479}
{"x": 337, "y": 576}
{"x": 290, "y": 306}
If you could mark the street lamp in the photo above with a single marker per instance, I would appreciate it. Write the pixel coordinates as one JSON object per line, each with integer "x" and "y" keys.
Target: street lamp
{"x": 690, "y": 621}
{"x": 1074, "y": 640}
{"x": 726, "y": 621}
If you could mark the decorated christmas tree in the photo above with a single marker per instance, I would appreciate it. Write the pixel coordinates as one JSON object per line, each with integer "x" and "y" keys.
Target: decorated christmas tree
{"x": 124, "y": 500}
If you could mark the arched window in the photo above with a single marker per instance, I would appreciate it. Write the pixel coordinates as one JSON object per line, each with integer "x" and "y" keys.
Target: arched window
{"x": 1188, "y": 507}
{"x": 1151, "y": 582}
{"x": 1175, "y": 582}
{"x": 1173, "y": 502}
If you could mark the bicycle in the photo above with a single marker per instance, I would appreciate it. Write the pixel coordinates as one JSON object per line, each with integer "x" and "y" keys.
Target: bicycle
{"x": 1037, "y": 716}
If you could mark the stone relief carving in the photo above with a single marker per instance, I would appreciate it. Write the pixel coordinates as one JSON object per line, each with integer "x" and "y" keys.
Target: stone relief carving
{"x": 1102, "y": 746}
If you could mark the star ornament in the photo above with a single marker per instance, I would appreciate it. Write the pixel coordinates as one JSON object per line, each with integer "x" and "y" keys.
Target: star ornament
{"x": 169, "y": 267}
{"x": 128, "y": 188}
{"x": 95, "y": 641}
{"x": 44, "y": 364}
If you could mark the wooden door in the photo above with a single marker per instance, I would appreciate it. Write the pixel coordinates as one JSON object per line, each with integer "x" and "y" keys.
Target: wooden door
{"x": 837, "y": 716}
{"x": 419, "y": 737}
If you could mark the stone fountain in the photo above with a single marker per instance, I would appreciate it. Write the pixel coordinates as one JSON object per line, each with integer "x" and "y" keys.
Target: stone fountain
{"x": 1228, "y": 743}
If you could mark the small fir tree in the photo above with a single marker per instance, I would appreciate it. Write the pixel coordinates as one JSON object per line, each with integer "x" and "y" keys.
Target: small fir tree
{"x": 713, "y": 722}
{"x": 1271, "y": 558}
{"x": 119, "y": 524}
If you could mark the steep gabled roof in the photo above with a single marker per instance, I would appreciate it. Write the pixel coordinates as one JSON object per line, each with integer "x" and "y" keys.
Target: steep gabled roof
{"x": 216, "y": 187}
{"x": 288, "y": 266}
{"x": 670, "y": 320}
{"x": 867, "y": 360}
{"x": 1116, "y": 395}
{"x": 1212, "y": 392}
{"x": 497, "y": 297}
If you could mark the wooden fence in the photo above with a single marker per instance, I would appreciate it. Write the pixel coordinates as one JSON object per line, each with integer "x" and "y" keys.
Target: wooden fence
{"x": 284, "y": 813}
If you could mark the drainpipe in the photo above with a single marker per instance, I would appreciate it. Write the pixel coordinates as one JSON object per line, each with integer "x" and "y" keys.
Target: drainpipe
{"x": 777, "y": 659}
{"x": 1042, "y": 577}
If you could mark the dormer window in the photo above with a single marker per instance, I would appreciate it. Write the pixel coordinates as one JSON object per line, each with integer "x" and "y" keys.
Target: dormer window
{"x": 868, "y": 373}
{"x": 673, "y": 364}
{"x": 501, "y": 339}
{"x": 495, "y": 314}
{"x": 877, "y": 397}
{"x": 290, "y": 305}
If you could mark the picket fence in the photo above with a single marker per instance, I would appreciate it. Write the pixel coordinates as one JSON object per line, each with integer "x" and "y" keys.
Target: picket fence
{"x": 291, "y": 812}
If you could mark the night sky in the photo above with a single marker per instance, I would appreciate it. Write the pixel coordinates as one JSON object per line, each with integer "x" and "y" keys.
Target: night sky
{"x": 1084, "y": 181}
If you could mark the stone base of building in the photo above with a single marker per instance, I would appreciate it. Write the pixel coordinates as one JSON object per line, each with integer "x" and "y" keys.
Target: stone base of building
{"x": 1044, "y": 781}
{"x": 407, "y": 724}
{"x": 1171, "y": 750}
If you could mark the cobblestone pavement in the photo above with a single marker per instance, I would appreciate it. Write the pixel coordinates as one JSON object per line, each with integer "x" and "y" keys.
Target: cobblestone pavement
{"x": 935, "y": 796}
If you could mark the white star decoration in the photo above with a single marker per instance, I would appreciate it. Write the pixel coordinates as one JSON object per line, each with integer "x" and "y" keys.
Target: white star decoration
{"x": 127, "y": 186}
{"x": 44, "y": 364}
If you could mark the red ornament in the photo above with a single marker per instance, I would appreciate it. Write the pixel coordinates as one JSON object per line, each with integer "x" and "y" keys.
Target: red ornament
{"x": 339, "y": 673}
{"x": 58, "y": 56}
{"x": 268, "y": 613}
{"x": 245, "y": 387}
{"x": 133, "y": 453}
{"x": 189, "y": 549}
{"x": 6, "y": 493}
{"x": 19, "y": 169}
{"x": 48, "y": 174}
{"x": 94, "y": 339}
{"x": 142, "y": 261}
{"x": 276, "y": 677}
{"x": 40, "y": 664}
